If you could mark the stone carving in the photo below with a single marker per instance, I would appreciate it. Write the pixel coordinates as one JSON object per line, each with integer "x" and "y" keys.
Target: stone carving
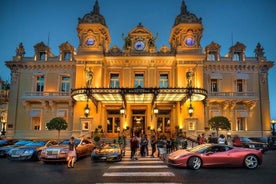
{"x": 20, "y": 51}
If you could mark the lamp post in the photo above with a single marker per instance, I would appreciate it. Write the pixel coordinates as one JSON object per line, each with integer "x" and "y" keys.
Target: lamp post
{"x": 190, "y": 109}
{"x": 86, "y": 110}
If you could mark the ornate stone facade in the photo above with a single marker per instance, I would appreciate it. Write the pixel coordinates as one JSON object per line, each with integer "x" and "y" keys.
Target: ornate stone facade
{"x": 130, "y": 83}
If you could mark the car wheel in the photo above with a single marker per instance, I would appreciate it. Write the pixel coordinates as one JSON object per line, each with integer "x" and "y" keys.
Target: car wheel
{"x": 251, "y": 162}
{"x": 194, "y": 163}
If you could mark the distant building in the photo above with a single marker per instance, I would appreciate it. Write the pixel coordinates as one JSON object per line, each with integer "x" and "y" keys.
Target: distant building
{"x": 138, "y": 89}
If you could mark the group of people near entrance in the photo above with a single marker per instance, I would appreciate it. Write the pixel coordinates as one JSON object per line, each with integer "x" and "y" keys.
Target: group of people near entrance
{"x": 201, "y": 139}
{"x": 141, "y": 145}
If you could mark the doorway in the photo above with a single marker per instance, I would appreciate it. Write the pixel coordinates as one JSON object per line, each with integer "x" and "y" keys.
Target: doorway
{"x": 138, "y": 122}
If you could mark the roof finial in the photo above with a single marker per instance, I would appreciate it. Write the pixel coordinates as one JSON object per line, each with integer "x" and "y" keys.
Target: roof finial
{"x": 96, "y": 8}
{"x": 183, "y": 8}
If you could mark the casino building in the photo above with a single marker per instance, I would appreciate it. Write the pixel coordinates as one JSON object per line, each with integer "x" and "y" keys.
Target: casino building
{"x": 138, "y": 88}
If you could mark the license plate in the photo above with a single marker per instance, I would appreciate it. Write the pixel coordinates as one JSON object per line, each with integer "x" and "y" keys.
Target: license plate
{"x": 103, "y": 158}
{"x": 51, "y": 156}
{"x": 15, "y": 156}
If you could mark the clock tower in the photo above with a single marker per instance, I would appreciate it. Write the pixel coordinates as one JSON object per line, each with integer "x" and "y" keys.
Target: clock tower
{"x": 93, "y": 33}
{"x": 186, "y": 32}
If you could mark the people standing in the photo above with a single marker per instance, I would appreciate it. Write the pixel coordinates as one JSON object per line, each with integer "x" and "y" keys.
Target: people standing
{"x": 144, "y": 144}
{"x": 202, "y": 139}
{"x": 221, "y": 139}
{"x": 134, "y": 145}
{"x": 153, "y": 142}
{"x": 71, "y": 153}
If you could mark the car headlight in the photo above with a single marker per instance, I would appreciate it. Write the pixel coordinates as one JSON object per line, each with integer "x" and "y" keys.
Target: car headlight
{"x": 251, "y": 146}
{"x": 28, "y": 152}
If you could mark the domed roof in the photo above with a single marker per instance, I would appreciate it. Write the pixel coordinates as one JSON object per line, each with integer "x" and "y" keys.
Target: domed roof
{"x": 185, "y": 16}
{"x": 94, "y": 16}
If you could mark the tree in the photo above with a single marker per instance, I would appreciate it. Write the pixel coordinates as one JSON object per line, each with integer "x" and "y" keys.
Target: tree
{"x": 58, "y": 124}
{"x": 219, "y": 122}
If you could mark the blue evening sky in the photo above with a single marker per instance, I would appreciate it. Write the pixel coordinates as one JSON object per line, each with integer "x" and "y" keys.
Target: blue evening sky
{"x": 224, "y": 21}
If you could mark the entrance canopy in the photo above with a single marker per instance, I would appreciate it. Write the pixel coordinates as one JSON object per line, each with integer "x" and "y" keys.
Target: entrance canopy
{"x": 138, "y": 95}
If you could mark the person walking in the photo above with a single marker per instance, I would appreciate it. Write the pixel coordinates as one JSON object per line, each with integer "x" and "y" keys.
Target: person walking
{"x": 71, "y": 153}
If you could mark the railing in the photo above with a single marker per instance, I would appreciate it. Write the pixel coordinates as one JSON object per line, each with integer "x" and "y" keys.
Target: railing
{"x": 232, "y": 94}
{"x": 40, "y": 94}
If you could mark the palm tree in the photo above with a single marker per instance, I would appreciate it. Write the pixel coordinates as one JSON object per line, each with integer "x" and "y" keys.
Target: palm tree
{"x": 58, "y": 124}
{"x": 219, "y": 122}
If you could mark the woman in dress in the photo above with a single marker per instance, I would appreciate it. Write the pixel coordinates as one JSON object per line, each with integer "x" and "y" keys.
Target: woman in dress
{"x": 71, "y": 153}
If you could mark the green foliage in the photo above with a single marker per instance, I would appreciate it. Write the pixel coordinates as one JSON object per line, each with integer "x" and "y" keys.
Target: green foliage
{"x": 57, "y": 123}
{"x": 219, "y": 122}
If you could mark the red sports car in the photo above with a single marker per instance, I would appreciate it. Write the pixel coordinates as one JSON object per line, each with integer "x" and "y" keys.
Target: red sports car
{"x": 216, "y": 155}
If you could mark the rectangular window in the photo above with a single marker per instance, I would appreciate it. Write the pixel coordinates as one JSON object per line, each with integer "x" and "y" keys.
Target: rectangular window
{"x": 35, "y": 119}
{"x": 42, "y": 56}
{"x": 237, "y": 56}
{"x": 211, "y": 56}
{"x": 214, "y": 85}
{"x": 241, "y": 123}
{"x": 40, "y": 83}
{"x": 67, "y": 56}
{"x": 114, "y": 81}
{"x": 139, "y": 80}
{"x": 239, "y": 85}
{"x": 164, "y": 81}
{"x": 113, "y": 124}
{"x": 65, "y": 84}
{"x": 109, "y": 125}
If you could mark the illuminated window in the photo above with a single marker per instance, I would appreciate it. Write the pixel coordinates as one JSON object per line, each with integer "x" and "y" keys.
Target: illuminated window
{"x": 35, "y": 119}
{"x": 114, "y": 81}
{"x": 40, "y": 83}
{"x": 241, "y": 123}
{"x": 139, "y": 80}
{"x": 214, "y": 85}
{"x": 164, "y": 81}
{"x": 113, "y": 121}
{"x": 65, "y": 84}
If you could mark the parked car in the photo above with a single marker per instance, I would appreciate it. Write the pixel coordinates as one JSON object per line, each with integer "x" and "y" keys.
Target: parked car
{"x": 58, "y": 153}
{"x": 30, "y": 151}
{"x": 216, "y": 155}
{"x": 107, "y": 152}
{"x": 248, "y": 143}
{"x": 5, "y": 149}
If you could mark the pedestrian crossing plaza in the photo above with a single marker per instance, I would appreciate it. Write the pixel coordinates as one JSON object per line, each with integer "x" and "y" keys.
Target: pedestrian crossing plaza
{"x": 143, "y": 170}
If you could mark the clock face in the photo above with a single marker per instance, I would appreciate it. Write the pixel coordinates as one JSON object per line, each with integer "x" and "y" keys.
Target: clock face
{"x": 189, "y": 41}
{"x": 90, "y": 41}
{"x": 139, "y": 45}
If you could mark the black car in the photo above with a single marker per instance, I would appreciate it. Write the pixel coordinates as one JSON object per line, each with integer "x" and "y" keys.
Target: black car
{"x": 248, "y": 143}
{"x": 30, "y": 151}
{"x": 5, "y": 149}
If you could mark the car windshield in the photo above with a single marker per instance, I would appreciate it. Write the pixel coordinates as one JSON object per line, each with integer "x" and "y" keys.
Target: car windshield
{"x": 109, "y": 146}
{"x": 22, "y": 142}
{"x": 245, "y": 139}
{"x": 66, "y": 141}
{"x": 199, "y": 148}
{"x": 36, "y": 143}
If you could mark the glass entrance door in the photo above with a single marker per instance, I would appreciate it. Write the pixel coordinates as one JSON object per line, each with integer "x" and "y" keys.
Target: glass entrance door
{"x": 138, "y": 122}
